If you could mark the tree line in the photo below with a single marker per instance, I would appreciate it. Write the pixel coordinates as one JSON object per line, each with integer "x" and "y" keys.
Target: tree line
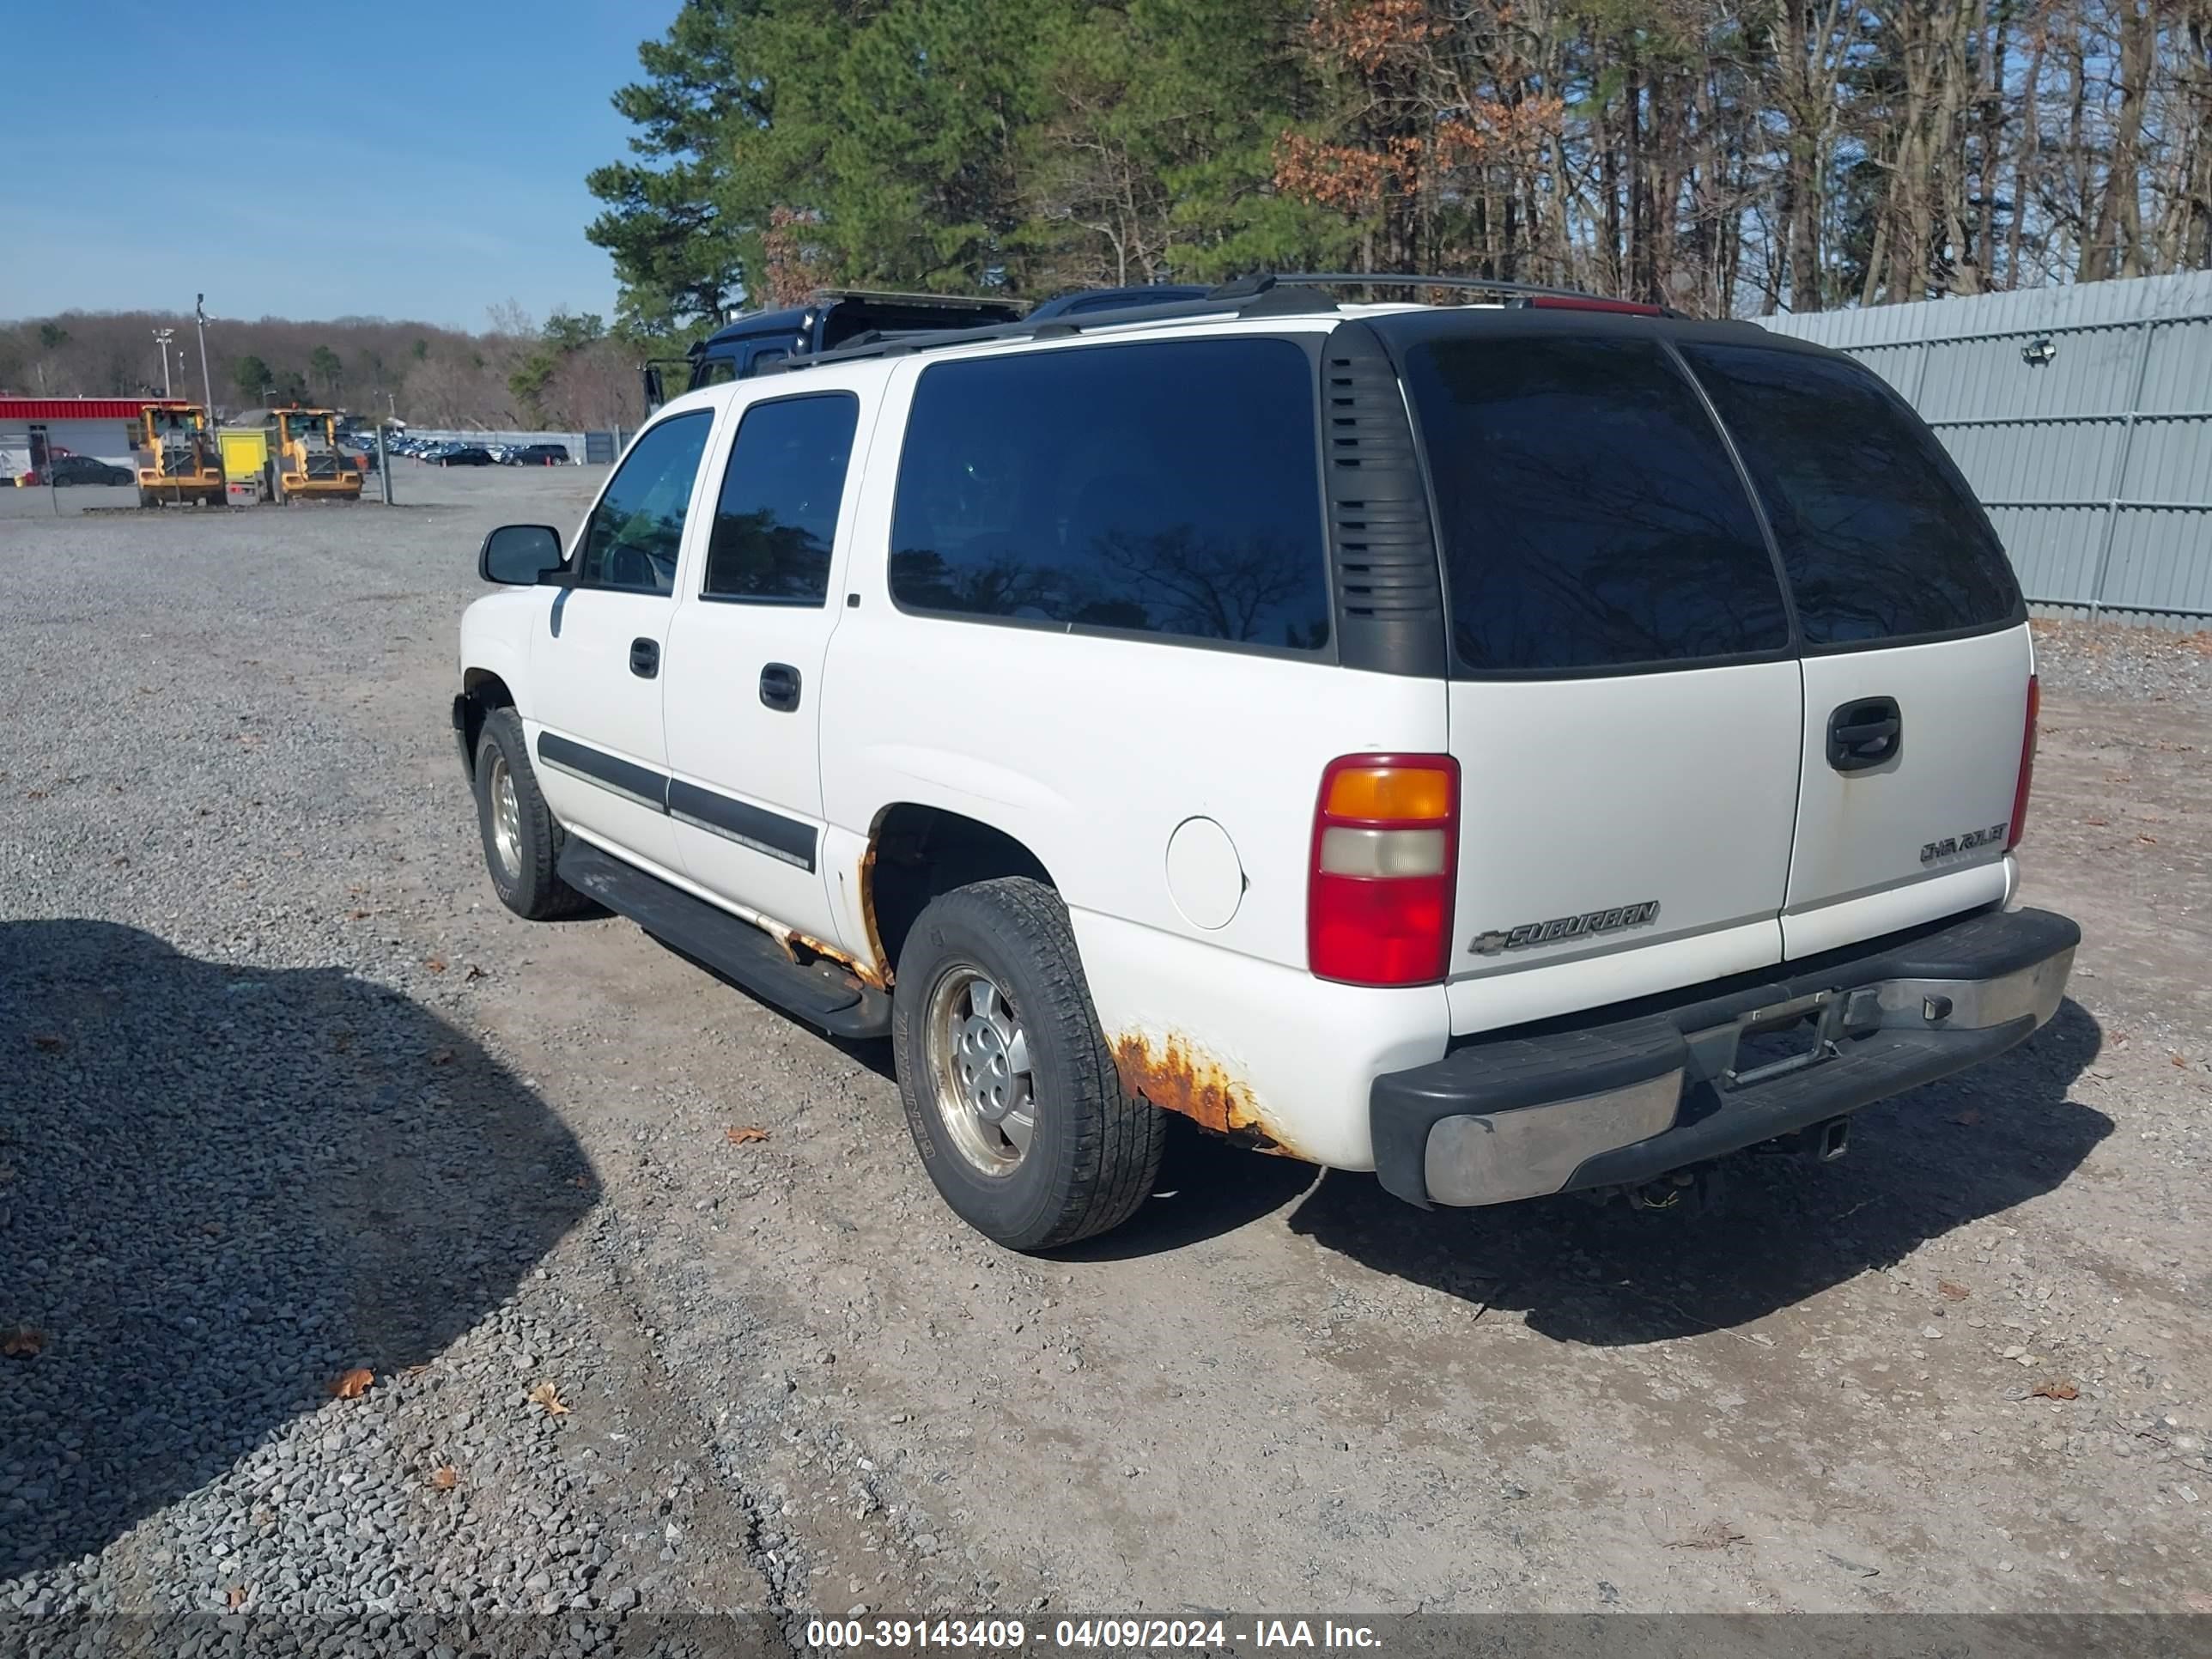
{"x": 1724, "y": 156}
{"x": 569, "y": 374}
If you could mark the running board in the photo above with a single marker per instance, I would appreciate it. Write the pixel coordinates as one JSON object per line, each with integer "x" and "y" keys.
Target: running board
{"x": 822, "y": 993}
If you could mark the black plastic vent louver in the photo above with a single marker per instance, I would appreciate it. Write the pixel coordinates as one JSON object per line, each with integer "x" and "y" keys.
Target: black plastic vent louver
{"x": 1389, "y": 598}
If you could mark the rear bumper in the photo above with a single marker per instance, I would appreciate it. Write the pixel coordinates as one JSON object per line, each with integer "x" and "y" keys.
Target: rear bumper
{"x": 1621, "y": 1102}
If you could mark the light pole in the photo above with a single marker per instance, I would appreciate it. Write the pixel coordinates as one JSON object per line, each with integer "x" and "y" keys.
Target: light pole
{"x": 199, "y": 319}
{"x": 162, "y": 343}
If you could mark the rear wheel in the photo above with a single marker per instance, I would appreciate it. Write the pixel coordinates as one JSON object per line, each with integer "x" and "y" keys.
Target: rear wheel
{"x": 521, "y": 838}
{"x": 1009, "y": 1093}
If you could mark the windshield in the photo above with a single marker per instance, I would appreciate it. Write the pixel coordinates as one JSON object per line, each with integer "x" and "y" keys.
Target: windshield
{"x": 174, "y": 425}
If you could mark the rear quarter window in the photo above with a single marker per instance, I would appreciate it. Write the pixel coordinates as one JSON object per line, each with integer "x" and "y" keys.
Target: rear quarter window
{"x": 1881, "y": 537}
{"x": 1591, "y": 518}
{"x": 1170, "y": 488}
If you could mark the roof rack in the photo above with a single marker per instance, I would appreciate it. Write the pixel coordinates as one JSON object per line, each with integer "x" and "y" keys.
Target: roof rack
{"x": 1217, "y": 303}
{"x": 1263, "y": 294}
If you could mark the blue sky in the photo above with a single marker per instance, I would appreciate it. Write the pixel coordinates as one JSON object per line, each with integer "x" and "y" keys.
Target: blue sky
{"x": 427, "y": 160}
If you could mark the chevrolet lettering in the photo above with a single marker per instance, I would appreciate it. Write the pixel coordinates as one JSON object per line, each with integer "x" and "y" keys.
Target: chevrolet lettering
{"x": 1950, "y": 846}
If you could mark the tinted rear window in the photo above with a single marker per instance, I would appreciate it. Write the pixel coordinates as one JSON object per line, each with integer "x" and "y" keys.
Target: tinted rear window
{"x": 1170, "y": 488}
{"x": 1591, "y": 517}
{"x": 1879, "y": 535}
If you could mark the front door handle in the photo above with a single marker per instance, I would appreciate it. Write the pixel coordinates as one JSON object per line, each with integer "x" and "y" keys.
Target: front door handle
{"x": 779, "y": 687}
{"x": 645, "y": 658}
{"x": 1865, "y": 733}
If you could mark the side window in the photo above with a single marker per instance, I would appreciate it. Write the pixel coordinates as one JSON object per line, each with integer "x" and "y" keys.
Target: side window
{"x": 1880, "y": 536}
{"x": 777, "y": 516}
{"x": 712, "y": 371}
{"x": 1170, "y": 488}
{"x": 1590, "y": 516}
{"x": 631, "y": 541}
{"x": 762, "y": 357}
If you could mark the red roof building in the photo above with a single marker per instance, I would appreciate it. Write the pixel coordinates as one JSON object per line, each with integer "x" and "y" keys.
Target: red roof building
{"x": 13, "y": 410}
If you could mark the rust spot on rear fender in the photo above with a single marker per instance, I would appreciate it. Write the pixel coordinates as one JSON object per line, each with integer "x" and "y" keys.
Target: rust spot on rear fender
{"x": 1177, "y": 1076}
{"x": 884, "y": 969}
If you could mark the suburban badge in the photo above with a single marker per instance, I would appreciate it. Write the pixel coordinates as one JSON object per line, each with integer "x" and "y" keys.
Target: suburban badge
{"x": 1562, "y": 927}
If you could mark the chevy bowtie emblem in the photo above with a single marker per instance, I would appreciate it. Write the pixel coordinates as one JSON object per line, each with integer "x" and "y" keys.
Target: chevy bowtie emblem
{"x": 1565, "y": 927}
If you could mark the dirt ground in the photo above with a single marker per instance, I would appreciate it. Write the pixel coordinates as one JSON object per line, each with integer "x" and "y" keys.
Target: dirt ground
{"x": 1966, "y": 1369}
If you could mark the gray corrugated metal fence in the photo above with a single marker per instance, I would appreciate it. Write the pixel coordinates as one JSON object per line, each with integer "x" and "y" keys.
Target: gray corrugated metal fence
{"x": 2095, "y": 466}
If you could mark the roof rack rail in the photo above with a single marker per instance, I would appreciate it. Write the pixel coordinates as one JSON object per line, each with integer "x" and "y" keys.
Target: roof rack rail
{"x": 1262, "y": 294}
{"x": 1573, "y": 299}
{"x": 1258, "y": 303}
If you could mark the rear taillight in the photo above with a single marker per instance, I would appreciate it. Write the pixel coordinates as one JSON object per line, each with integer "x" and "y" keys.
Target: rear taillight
{"x": 1385, "y": 844}
{"x": 2026, "y": 766}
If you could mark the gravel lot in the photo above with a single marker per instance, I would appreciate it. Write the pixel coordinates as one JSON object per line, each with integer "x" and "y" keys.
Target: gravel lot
{"x": 285, "y": 1096}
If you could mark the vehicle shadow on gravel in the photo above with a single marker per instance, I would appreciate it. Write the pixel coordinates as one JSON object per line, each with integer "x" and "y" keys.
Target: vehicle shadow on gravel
{"x": 221, "y": 1189}
{"x": 1919, "y": 1165}
{"x": 1206, "y": 1186}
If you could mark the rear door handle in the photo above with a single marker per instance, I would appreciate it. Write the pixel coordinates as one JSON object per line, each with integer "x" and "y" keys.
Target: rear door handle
{"x": 779, "y": 687}
{"x": 1865, "y": 733}
{"x": 645, "y": 658}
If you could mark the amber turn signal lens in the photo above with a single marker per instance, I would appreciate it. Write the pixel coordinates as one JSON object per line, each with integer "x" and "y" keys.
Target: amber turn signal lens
{"x": 1389, "y": 793}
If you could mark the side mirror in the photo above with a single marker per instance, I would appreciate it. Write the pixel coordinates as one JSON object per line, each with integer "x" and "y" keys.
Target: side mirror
{"x": 517, "y": 554}
{"x": 653, "y": 397}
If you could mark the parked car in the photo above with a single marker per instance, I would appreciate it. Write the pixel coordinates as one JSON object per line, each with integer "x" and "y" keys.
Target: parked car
{"x": 1606, "y": 754}
{"x": 88, "y": 470}
{"x": 538, "y": 455}
{"x": 464, "y": 455}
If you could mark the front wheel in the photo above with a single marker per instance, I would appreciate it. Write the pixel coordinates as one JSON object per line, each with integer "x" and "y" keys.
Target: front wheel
{"x": 1009, "y": 1093}
{"x": 521, "y": 837}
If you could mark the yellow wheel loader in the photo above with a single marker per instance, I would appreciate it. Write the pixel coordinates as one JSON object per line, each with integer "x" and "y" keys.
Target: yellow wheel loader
{"x": 305, "y": 453}
{"x": 179, "y": 459}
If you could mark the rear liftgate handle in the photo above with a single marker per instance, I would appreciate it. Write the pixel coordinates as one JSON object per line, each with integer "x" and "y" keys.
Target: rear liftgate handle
{"x": 1864, "y": 732}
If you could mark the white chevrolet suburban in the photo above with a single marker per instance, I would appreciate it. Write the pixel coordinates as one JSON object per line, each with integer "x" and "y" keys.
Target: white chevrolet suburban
{"x": 1521, "y": 747}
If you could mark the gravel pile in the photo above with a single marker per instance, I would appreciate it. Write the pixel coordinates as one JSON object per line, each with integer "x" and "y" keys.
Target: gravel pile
{"x": 2123, "y": 664}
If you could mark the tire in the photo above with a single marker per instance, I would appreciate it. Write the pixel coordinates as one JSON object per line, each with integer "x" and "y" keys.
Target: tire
{"x": 147, "y": 498}
{"x": 1090, "y": 1152}
{"x": 525, "y": 881}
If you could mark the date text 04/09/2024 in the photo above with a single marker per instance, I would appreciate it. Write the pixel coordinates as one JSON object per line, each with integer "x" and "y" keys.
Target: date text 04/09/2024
{"x": 1086, "y": 1635}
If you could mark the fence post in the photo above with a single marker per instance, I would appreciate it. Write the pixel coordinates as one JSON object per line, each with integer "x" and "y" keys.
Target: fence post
{"x": 2120, "y": 470}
